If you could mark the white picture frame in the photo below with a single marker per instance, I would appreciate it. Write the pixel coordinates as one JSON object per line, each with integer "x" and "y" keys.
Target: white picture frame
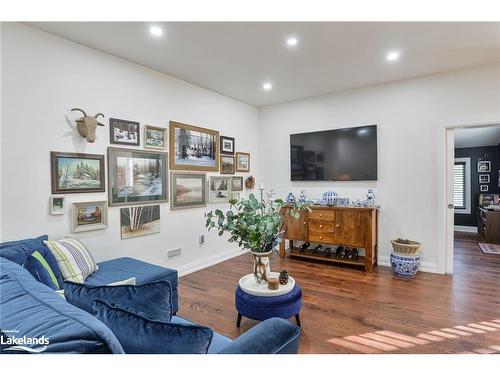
{"x": 484, "y": 178}
{"x": 484, "y": 188}
{"x": 484, "y": 166}
{"x": 57, "y": 205}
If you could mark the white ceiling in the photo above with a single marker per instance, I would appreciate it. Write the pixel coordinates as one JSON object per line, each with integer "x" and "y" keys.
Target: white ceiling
{"x": 234, "y": 59}
{"x": 477, "y": 137}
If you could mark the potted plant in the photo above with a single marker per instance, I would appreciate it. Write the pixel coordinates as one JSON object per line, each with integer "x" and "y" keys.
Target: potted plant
{"x": 256, "y": 225}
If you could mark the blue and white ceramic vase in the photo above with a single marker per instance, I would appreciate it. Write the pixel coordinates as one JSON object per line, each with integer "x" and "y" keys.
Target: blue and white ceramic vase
{"x": 302, "y": 196}
{"x": 330, "y": 197}
{"x": 370, "y": 198}
{"x": 405, "y": 266}
{"x": 290, "y": 198}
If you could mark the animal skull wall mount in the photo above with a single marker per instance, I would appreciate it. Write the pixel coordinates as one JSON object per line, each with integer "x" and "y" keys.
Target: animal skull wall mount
{"x": 86, "y": 125}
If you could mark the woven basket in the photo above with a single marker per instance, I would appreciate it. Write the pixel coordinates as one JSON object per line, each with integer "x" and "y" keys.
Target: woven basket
{"x": 405, "y": 248}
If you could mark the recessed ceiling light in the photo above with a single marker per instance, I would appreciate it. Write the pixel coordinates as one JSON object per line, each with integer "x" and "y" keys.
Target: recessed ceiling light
{"x": 155, "y": 31}
{"x": 393, "y": 56}
{"x": 267, "y": 86}
{"x": 291, "y": 42}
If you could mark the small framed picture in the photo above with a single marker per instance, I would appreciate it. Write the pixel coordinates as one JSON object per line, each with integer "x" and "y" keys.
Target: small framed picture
{"x": 155, "y": 137}
{"x": 124, "y": 132}
{"x": 484, "y": 166}
{"x": 188, "y": 190}
{"x": 484, "y": 178}
{"x": 90, "y": 216}
{"x": 236, "y": 183}
{"x": 227, "y": 164}
{"x": 226, "y": 145}
{"x": 139, "y": 221}
{"x": 484, "y": 187}
{"x": 235, "y": 195}
{"x": 57, "y": 205}
{"x": 219, "y": 189}
{"x": 242, "y": 162}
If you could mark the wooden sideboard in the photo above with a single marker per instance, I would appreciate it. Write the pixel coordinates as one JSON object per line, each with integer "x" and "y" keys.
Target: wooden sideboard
{"x": 347, "y": 226}
{"x": 488, "y": 226}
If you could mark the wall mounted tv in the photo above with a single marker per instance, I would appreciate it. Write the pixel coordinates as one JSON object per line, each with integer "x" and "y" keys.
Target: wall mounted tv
{"x": 348, "y": 154}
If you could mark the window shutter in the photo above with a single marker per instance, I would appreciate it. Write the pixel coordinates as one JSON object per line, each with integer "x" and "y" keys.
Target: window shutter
{"x": 459, "y": 192}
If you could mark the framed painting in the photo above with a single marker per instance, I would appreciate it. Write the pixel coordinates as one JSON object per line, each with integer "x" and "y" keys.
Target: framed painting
{"x": 57, "y": 205}
{"x": 193, "y": 148}
{"x": 155, "y": 137}
{"x": 90, "y": 216}
{"x": 136, "y": 177}
{"x": 236, "y": 183}
{"x": 227, "y": 164}
{"x": 124, "y": 132}
{"x": 242, "y": 162}
{"x": 76, "y": 173}
{"x": 226, "y": 145}
{"x": 188, "y": 190}
{"x": 139, "y": 221}
{"x": 220, "y": 189}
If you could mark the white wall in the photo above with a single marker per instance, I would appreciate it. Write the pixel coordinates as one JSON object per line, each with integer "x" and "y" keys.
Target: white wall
{"x": 43, "y": 77}
{"x": 411, "y": 117}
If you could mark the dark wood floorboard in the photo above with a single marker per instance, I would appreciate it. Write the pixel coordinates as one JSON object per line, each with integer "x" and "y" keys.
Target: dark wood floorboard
{"x": 350, "y": 311}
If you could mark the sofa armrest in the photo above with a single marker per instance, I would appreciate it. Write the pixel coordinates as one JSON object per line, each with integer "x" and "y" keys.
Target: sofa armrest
{"x": 272, "y": 336}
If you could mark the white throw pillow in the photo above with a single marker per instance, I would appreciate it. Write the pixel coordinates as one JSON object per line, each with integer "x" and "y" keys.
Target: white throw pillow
{"x": 130, "y": 281}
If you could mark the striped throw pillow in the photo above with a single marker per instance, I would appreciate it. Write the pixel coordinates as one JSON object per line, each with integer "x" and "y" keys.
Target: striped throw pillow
{"x": 73, "y": 258}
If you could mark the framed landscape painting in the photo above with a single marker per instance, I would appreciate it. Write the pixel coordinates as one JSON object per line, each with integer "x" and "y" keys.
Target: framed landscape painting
{"x": 57, "y": 205}
{"x": 136, "y": 177}
{"x": 76, "y": 173}
{"x": 236, "y": 183}
{"x": 155, "y": 137}
{"x": 219, "y": 189}
{"x": 227, "y": 164}
{"x": 226, "y": 145}
{"x": 242, "y": 162}
{"x": 193, "y": 148}
{"x": 188, "y": 190}
{"x": 124, "y": 132}
{"x": 90, "y": 216}
{"x": 139, "y": 221}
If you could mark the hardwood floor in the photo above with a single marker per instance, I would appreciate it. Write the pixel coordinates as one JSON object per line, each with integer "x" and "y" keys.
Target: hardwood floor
{"x": 350, "y": 311}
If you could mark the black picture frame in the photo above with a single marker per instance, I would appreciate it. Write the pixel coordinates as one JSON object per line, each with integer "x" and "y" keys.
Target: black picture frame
{"x": 223, "y": 139}
{"x": 125, "y": 126}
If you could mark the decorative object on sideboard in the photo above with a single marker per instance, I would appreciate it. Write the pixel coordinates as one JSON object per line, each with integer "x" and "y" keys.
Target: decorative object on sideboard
{"x": 405, "y": 260}
{"x": 370, "y": 198}
{"x": 139, "y": 221}
{"x": 90, "y": 216}
{"x": 155, "y": 137}
{"x": 330, "y": 197}
{"x": 242, "y": 162}
{"x": 137, "y": 176}
{"x": 193, "y": 148}
{"x": 290, "y": 198}
{"x": 483, "y": 188}
{"x": 57, "y": 205}
{"x": 284, "y": 276}
{"x": 250, "y": 182}
{"x": 76, "y": 173}
{"x": 302, "y": 196}
{"x": 227, "y": 145}
{"x": 86, "y": 125}
{"x": 273, "y": 283}
{"x": 124, "y": 132}
{"x": 484, "y": 166}
{"x": 256, "y": 225}
{"x": 188, "y": 190}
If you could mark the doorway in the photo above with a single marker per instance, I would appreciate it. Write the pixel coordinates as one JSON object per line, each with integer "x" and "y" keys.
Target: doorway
{"x": 472, "y": 191}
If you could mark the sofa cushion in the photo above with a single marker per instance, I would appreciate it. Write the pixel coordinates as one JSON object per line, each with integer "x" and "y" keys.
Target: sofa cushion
{"x": 74, "y": 260}
{"x": 36, "y": 266}
{"x": 151, "y": 300}
{"x": 35, "y": 310}
{"x": 124, "y": 268}
{"x": 140, "y": 335}
{"x": 18, "y": 252}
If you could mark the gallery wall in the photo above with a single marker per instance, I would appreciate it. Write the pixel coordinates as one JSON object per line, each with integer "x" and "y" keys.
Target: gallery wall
{"x": 411, "y": 116}
{"x": 475, "y": 153}
{"x": 44, "y": 76}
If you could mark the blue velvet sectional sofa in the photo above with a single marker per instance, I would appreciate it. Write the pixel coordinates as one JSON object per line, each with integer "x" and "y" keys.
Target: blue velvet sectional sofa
{"x": 30, "y": 308}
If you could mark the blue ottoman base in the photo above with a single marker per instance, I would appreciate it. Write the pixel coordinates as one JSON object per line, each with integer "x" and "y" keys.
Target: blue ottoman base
{"x": 262, "y": 308}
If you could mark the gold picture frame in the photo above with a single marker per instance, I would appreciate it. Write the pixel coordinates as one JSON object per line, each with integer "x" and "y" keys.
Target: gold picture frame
{"x": 151, "y": 140}
{"x": 242, "y": 162}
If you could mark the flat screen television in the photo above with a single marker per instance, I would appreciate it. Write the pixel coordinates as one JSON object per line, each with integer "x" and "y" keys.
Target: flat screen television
{"x": 348, "y": 154}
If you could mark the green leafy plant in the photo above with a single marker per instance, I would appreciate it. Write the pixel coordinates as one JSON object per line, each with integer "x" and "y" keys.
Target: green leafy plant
{"x": 254, "y": 224}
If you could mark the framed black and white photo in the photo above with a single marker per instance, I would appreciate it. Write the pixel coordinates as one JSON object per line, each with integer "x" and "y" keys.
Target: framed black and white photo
{"x": 484, "y": 166}
{"x": 484, "y": 188}
{"x": 484, "y": 178}
{"x": 188, "y": 190}
{"x": 136, "y": 176}
{"x": 226, "y": 145}
{"x": 124, "y": 132}
{"x": 219, "y": 189}
{"x": 237, "y": 183}
{"x": 227, "y": 164}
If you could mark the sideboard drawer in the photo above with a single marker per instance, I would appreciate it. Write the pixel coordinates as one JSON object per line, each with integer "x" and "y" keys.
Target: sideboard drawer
{"x": 321, "y": 215}
{"x": 322, "y": 237}
{"x": 320, "y": 226}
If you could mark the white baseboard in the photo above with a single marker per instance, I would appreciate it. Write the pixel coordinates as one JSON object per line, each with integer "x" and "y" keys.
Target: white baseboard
{"x": 200, "y": 264}
{"x": 463, "y": 228}
{"x": 429, "y": 267}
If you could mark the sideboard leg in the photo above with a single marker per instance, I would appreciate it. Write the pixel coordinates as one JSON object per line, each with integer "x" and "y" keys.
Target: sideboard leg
{"x": 282, "y": 249}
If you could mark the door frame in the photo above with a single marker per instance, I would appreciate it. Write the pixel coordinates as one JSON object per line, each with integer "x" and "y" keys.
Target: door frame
{"x": 449, "y": 161}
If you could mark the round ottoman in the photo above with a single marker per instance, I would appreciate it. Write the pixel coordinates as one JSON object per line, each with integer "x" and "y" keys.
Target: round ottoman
{"x": 262, "y": 308}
